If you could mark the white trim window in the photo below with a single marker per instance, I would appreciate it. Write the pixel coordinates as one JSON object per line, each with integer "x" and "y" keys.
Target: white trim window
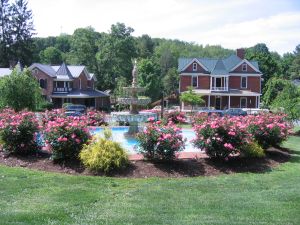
{"x": 244, "y": 67}
{"x": 243, "y": 102}
{"x": 244, "y": 80}
{"x": 194, "y": 81}
{"x": 194, "y": 66}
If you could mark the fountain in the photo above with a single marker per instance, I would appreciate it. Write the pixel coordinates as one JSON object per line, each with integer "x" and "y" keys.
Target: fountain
{"x": 133, "y": 117}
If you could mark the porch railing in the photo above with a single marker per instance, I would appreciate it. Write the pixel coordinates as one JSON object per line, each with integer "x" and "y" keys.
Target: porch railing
{"x": 219, "y": 89}
{"x": 63, "y": 89}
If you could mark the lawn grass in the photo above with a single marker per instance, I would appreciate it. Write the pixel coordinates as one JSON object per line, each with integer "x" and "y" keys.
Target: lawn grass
{"x": 32, "y": 197}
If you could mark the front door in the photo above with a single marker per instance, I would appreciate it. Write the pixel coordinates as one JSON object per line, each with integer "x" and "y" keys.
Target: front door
{"x": 218, "y": 103}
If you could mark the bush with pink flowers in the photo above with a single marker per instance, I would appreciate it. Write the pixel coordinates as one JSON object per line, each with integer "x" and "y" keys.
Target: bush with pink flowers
{"x": 268, "y": 129}
{"x": 96, "y": 118}
{"x": 66, "y": 136}
{"x": 160, "y": 142}
{"x": 221, "y": 136}
{"x": 176, "y": 117}
{"x": 18, "y": 132}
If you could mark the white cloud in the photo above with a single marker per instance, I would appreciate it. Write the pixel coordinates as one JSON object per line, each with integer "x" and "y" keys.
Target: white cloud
{"x": 231, "y": 23}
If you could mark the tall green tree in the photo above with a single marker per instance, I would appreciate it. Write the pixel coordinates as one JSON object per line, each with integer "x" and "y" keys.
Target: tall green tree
{"x": 145, "y": 46}
{"x": 295, "y": 65}
{"x": 51, "y": 55}
{"x": 283, "y": 94}
{"x": 22, "y": 32}
{"x": 171, "y": 81}
{"x": 149, "y": 78}
{"x": 84, "y": 48}
{"x": 267, "y": 62}
{"x": 5, "y": 32}
{"x": 116, "y": 51}
{"x": 20, "y": 90}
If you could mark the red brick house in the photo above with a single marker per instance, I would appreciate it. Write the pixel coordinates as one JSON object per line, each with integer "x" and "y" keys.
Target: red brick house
{"x": 69, "y": 84}
{"x": 232, "y": 82}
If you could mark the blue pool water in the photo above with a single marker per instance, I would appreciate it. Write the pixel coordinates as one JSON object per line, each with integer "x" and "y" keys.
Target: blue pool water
{"x": 131, "y": 143}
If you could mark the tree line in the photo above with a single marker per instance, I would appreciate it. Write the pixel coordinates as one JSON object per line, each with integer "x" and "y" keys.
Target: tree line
{"x": 109, "y": 54}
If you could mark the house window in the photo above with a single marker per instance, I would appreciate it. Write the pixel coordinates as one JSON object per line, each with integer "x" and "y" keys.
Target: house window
{"x": 244, "y": 67}
{"x": 194, "y": 66}
{"x": 243, "y": 82}
{"x": 35, "y": 71}
{"x": 243, "y": 103}
{"x": 195, "y": 81}
{"x": 43, "y": 83}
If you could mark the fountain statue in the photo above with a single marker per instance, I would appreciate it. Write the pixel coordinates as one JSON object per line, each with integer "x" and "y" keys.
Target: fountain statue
{"x": 133, "y": 117}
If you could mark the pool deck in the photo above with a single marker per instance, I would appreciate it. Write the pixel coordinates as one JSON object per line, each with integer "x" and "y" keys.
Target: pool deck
{"x": 181, "y": 155}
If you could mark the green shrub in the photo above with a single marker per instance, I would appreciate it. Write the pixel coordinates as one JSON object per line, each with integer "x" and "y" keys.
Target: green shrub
{"x": 103, "y": 154}
{"x": 253, "y": 150}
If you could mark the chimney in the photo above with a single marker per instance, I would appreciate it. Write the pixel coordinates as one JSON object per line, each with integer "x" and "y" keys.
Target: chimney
{"x": 240, "y": 52}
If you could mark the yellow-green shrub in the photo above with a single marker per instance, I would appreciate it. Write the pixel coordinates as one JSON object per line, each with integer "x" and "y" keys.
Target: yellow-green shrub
{"x": 103, "y": 154}
{"x": 253, "y": 149}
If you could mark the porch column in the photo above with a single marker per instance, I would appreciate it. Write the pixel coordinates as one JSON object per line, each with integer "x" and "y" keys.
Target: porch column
{"x": 182, "y": 105}
{"x": 229, "y": 102}
{"x": 208, "y": 100}
{"x": 258, "y": 102}
{"x": 210, "y": 82}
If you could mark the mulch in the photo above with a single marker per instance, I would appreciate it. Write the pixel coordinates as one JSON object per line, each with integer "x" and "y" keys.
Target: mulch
{"x": 143, "y": 169}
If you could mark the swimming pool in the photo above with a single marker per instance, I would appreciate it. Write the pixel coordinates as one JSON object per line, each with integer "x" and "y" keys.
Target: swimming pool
{"x": 130, "y": 144}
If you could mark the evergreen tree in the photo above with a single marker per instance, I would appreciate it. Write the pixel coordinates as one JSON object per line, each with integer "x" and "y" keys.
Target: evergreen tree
{"x": 5, "y": 33}
{"x": 22, "y": 30}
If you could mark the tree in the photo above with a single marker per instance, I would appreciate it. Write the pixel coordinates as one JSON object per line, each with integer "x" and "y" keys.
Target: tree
{"x": 84, "y": 48}
{"x": 22, "y": 31}
{"x": 295, "y": 65}
{"x": 114, "y": 58}
{"x": 267, "y": 63}
{"x": 5, "y": 33}
{"x": 149, "y": 78}
{"x": 145, "y": 46}
{"x": 171, "y": 81}
{"x": 20, "y": 90}
{"x": 51, "y": 55}
{"x": 190, "y": 97}
{"x": 284, "y": 94}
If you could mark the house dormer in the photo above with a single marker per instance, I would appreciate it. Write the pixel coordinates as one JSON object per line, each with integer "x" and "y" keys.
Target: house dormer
{"x": 194, "y": 66}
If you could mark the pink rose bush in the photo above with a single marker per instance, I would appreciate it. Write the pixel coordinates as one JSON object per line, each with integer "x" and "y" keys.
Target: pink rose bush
{"x": 66, "y": 136}
{"x": 221, "y": 136}
{"x": 159, "y": 141}
{"x": 268, "y": 129}
{"x": 96, "y": 118}
{"x": 176, "y": 117}
{"x": 18, "y": 132}
{"x": 224, "y": 136}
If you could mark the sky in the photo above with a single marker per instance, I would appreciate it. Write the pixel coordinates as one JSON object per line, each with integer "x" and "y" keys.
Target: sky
{"x": 229, "y": 23}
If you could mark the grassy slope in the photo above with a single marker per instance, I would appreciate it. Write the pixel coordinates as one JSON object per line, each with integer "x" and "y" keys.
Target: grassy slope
{"x": 30, "y": 197}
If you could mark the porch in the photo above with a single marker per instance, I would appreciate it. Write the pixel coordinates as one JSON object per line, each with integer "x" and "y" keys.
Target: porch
{"x": 227, "y": 100}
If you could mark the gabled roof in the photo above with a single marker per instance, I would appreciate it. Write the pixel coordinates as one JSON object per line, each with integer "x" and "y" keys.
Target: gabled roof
{"x": 45, "y": 68}
{"x": 216, "y": 66}
{"x": 63, "y": 71}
